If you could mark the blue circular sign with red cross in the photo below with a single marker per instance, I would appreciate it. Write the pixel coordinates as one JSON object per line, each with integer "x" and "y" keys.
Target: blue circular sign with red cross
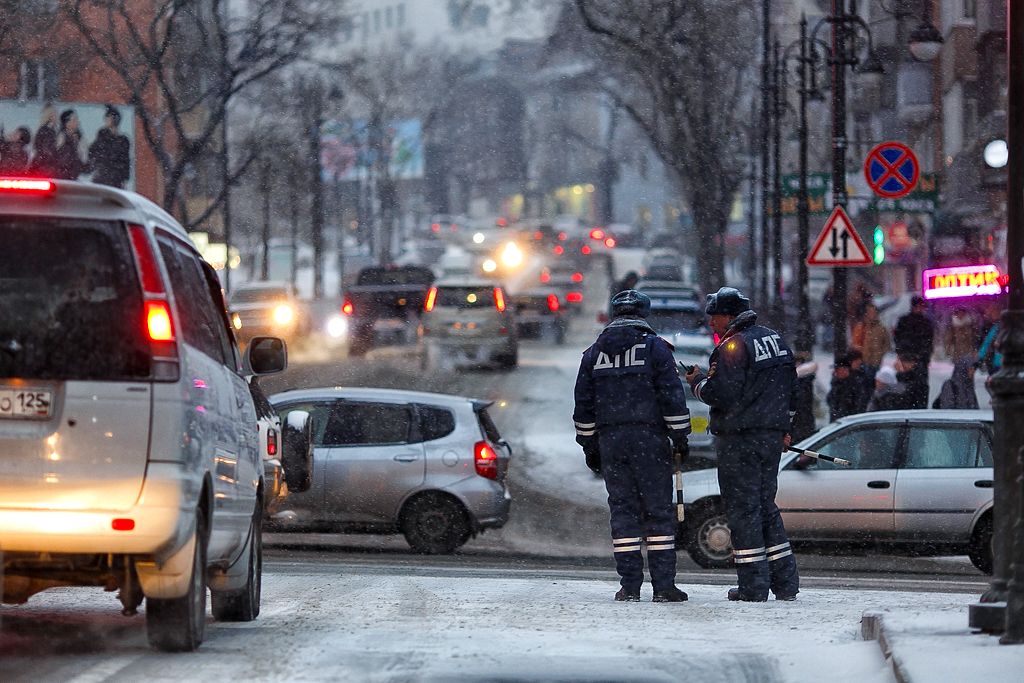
{"x": 892, "y": 170}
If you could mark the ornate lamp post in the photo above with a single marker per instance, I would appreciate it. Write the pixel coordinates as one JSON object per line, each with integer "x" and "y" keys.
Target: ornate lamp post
{"x": 843, "y": 53}
{"x": 1002, "y": 606}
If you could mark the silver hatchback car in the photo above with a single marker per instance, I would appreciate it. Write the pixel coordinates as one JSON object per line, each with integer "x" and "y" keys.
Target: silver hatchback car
{"x": 920, "y": 480}
{"x": 429, "y": 466}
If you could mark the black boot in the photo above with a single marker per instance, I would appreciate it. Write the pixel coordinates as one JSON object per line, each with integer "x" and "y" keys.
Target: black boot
{"x": 627, "y": 596}
{"x": 671, "y": 594}
{"x": 734, "y": 596}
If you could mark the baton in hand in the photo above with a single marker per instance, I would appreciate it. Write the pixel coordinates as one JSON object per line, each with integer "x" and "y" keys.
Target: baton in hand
{"x": 680, "y": 515}
{"x": 819, "y": 456}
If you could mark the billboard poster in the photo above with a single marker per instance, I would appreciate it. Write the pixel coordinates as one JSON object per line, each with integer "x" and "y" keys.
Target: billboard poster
{"x": 28, "y": 113}
{"x": 346, "y": 152}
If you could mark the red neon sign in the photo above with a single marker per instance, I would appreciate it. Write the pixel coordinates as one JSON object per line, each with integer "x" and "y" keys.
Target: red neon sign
{"x": 945, "y": 283}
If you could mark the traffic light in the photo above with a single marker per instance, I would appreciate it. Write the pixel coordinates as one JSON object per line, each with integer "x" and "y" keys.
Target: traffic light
{"x": 879, "y": 246}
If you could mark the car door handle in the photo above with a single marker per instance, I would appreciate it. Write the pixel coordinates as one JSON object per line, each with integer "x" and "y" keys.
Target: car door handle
{"x": 407, "y": 457}
{"x": 878, "y": 484}
{"x": 983, "y": 483}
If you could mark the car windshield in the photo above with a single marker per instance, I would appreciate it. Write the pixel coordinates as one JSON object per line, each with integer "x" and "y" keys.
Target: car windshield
{"x": 260, "y": 295}
{"x": 465, "y": 297}
{"x": 70, "y": 303}
{"x": 669, "y": 321}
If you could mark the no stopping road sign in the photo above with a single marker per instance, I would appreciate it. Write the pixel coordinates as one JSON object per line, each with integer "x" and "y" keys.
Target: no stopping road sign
{"x": 891, "y": 170}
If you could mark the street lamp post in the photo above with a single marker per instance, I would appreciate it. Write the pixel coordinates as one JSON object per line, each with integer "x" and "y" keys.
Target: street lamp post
{"x": 1002, "y": 605}
{"x": 805, "y": 330}
{"x": 777, "y": 102}
{"x": 765, "y": 123}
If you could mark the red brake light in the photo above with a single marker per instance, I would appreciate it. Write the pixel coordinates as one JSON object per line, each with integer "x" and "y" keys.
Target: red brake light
{"x": 538, "y": 235}
{"x": 499, "y": 298}
{"x": 346, "y": 308}
{"x": 610, "y": 242}
{"x": 553, "y": 302}
{"x": 431, "y": 295}
{"x": 558, "y": 249}
{"x": 26, "y": 184}
{"x": 502, "y": 222}
{"x": 486, "y": 460}
{"x": 122, "y": 524}
{"x": 585, "y": 250}
{"x": 271, "y": 442}
{"x": 562, "y": 236}
{"x": 158, "y": 321}
{"x": 574, "y": 297}
{"x": 435, "y": 227}
{"x": 148, "y": 271}
{"x": 597, "y": 234}
{"x": 577, "y": 277}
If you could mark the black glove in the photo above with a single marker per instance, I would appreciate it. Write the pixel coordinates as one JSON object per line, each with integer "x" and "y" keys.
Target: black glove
{"x": 592, "y": 453}
{"x": 680, "y": 448}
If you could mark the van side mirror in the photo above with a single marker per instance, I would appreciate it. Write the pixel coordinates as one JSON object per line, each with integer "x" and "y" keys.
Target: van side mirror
{"x": 265, "y": 356}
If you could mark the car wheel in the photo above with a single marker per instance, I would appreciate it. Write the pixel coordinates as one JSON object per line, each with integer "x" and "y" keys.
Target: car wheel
{"x": 244, "y": 605}
{"x": 980, "y": 550}
{"x": 707, "y": 537}
{"x": 435, "y": 524}
{"x": 179, "y": 624}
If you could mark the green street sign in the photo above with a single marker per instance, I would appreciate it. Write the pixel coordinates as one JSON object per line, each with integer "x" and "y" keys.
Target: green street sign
{"x": 817, "y": 189}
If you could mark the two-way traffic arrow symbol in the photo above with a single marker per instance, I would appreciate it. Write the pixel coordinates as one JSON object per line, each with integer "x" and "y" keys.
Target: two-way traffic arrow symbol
{"x": 838, "y": 244}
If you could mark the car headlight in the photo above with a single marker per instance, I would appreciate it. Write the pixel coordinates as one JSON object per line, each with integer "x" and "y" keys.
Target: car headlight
{"x": 337, "y": 326}
{"x": 283, "y": 314}
{"x": 236, "y": 321}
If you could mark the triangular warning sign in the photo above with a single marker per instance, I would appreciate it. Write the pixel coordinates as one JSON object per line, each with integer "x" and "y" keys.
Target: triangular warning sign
{"x": 838, "y": 244}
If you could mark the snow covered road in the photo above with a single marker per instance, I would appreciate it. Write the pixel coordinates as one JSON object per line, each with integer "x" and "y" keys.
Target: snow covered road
{"x": 331, "y": 621}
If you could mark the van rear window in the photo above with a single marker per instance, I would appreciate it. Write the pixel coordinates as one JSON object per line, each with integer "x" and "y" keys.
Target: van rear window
{"x": 465, "y": 297}
{"x": 70, "y": 302}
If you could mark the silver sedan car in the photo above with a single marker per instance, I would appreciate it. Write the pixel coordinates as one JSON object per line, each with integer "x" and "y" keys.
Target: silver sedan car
{"x": 920, "y": 480}
{"x": 429, "y": 466}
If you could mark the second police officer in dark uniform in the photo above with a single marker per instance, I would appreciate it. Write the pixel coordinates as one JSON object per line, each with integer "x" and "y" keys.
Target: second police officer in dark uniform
{"x": 752, "y": 389}
{"x": 630, "y": 405}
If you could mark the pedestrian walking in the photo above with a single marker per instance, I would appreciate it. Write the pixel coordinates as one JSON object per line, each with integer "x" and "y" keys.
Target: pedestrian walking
{"x": 889, "y": 393}
{"x": 961, "y": 335}
{"x": 914, "y": 334}
{"x": 109, "y": 154}
{"x": 912, "y": 373}
{"x": 751, "y": 386}
{"x": 14, "y": 146}
{"x": 848, "y": 394}
{"x": 69, "y": 164}
{"x": 804, "y": 423}
{"x": 44, "y": 156}
{"x": 988, "y": 355}
{"x": 958, "y": 391}
{"x": 631, "y": 417}
{"x": 872, "y": 339}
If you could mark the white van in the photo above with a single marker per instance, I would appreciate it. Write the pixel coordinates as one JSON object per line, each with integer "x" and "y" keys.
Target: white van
{"x": 129, "y": 454}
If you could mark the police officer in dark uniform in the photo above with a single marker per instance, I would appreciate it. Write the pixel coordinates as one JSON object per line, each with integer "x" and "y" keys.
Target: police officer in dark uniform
{"x": 752, "y": 389}
{"x": 630, "y": 417}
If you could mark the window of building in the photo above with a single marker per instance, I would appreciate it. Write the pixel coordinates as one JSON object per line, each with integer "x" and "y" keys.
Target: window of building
{"x": 455, "y": 11}
{"x": 400, "y": 10}
{"x": 376, "y": 21}
{"x": 366, "y": 24}
{"x": 38, "y": 80}
{"x": 389, "y": 17}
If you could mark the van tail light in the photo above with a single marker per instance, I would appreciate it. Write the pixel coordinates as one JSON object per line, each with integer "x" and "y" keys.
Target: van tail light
{"x": 609, "y": 242}
{"x": 486, "y": 460}
{"x": 156, "y": 308}
{"x": 574, "y": 297}
{"x": 431, "y": 296}
{"x": 148, "y": 271}
{"x": 122, "y": 524}
{"x": 553, "y": 302}
{"x": 346, "y": 308}
{"x": 271, "y": 442}
{"x": 158, "y": 322}
{"x": 577, "y": 277}
{"x": 499, "y": 299}
{"x": 26, "y": 184}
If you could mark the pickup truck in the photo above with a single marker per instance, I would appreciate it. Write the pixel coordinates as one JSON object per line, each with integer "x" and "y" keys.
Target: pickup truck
{"x": 384, "y": 305}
